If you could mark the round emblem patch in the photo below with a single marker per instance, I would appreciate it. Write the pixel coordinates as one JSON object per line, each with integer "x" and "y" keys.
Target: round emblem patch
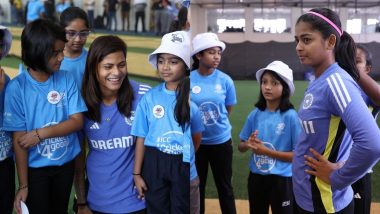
{"x": 54, "y": 97}
{"x": 196, "y": 89}
{"x": 307, "y": 101}
{"x": 158, "y": 111}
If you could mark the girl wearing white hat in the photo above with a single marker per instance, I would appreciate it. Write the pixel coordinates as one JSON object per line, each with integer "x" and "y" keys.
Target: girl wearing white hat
{"x": 162, "y": 115}
{"x": 7, "y": 167}
{"x": 271, "y": 132}
{"x": 214, "y": 93}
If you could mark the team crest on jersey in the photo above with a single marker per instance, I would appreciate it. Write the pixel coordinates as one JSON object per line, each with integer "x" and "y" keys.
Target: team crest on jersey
{"x": 209, "y": 113}
{"x": 307, "y": 101}
{"x": 54, "y": 97}
{"x": 265, "y": 163}
{"x": 218, "y": 88}
{"x": 158, "y": 111}
{"x": 129, "y": 120}
{"x": 280, "y": 128}
{"x": 196, "y": 89}
{"x": 53, "y": 148}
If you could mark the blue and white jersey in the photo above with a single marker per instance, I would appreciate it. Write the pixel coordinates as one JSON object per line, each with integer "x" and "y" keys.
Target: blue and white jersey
{"x": 332, "y": 103}
{"x": 374, "y": 110}
{"x": 111, "y": 158}
{"x": 35, "y": 8}
{"x": 155, "y": 121}
{"x": 279, "y": 132}
{"x": 76, "y": 66}
{"x": 212, "y": 94}
{"x": 60, "y": 7}
{"x": 196, "y": 127}
{"x": 32, "y": 105}
{"x": 5, "y": 137}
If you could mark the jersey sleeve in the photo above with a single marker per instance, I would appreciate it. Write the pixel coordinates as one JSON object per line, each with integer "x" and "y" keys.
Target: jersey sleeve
{"x": 14, "y": 114}
{"x": 363, "y": 129}
{"x": 248, "y": 126}
{"x": 140, "y": 125}
{"x": 141, "y": 89}
{"x": 295, "y": 125}
{"x": 196, "y": 120}
{"x": 230, "y": 93}
{"x": 75, "y": 101}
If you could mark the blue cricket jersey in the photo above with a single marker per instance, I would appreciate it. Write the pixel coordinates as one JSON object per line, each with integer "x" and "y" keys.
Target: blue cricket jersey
{"x": 30, "y": 105}
{"x": 111, "y": 158}
{"x": 76, "y": 66}
{"x": 5, "y": 137}
{"x": 155, "y": 121}
{"x": 332, "y": 103}
{"x": 278, "y": 131}
{"x": 212, "y": 94}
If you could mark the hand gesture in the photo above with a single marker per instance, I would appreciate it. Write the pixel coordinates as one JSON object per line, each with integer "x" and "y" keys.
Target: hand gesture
{"x": 256, "y": 144}
{"x": 21, "y": 195}
{"x": 140, "y": 185}
{"x": 320, "y": 166}
{"x": 29, "y": 139}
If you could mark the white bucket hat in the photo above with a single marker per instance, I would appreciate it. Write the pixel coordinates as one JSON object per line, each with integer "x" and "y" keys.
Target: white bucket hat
{"x": 7, "y": 41}
{"x": 204, "y": 41}
{"x": 176, "y": 43}
{"x": 282, "y": 70}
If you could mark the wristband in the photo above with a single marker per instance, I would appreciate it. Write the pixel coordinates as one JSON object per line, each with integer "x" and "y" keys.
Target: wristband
{"x": 136, "y": 173}
{"x": 22, "y": 187}
{"x": 38, "y": 135}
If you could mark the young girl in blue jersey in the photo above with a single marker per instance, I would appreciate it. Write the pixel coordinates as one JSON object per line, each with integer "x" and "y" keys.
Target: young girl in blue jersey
{"x": 332, "y": 104}
{"x": 214, "y": 93}
{"x": 362, "y": 187}
{"x": 43, "y": 108}
{"x": 7, "y": 167}
{"x": 160, "y": 174}
{"x": 111, "y": 99}
{"x": 75, "y": 22}
{"x": 271, "y": 132}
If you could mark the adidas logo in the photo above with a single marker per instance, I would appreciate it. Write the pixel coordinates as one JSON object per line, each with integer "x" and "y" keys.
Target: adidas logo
{"x": 285, "y": 203}
{"x": 94, "y": 126}
{"x": 357, "y": 196}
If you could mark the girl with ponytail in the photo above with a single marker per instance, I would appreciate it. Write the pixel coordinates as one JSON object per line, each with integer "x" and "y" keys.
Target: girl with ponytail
{"x": 336, "y": 146}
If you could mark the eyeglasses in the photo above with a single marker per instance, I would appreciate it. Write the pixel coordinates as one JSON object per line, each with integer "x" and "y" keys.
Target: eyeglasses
{"x": 82, "y": 35}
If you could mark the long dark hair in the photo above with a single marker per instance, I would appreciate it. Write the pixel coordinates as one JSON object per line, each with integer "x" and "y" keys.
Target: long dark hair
{"x": 99, "y": 49}
{"x": 195, "y": 64}
{"x": 37, "y": 44}
{"x": 182, "y": 108}
{"x": 345, "y": 48}
{"x": 181, "y": 21}
{"x": 285, "y": 103}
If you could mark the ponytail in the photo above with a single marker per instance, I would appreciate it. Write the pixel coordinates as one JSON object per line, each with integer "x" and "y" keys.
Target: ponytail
{"x": 345, "y": 54}
{"x": 195, "y": 65}
{"x": 182, "y": 106}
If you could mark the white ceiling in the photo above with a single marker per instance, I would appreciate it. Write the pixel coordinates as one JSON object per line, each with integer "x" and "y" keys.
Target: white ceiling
{"x": 288, "y": 3}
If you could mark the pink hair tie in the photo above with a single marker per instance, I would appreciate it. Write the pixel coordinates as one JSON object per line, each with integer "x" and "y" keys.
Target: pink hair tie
{"x": 340, "y": 32}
